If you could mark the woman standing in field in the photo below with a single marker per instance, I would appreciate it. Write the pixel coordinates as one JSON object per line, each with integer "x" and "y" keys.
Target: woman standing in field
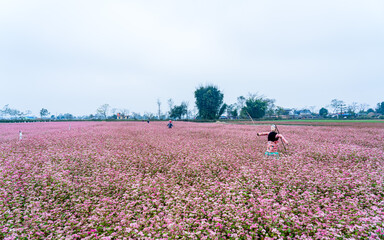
{"x": 273, "y": 141}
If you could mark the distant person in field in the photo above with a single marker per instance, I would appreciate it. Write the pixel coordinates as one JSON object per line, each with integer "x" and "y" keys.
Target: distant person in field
{"x": 20, "y": 135}
{"x": 170, "y": 125}
{"x": 273, "y": 141}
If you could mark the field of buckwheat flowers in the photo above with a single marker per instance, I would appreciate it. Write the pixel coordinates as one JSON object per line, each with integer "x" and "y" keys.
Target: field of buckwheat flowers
{"x": 134, "y": 180}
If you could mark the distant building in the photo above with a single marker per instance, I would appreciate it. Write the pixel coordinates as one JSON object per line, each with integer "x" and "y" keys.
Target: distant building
{"x": 121, "y": 116}
{"x": 288, "y": 113}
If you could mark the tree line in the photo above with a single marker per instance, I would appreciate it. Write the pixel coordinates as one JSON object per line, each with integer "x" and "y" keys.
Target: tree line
{"x": 209, "y": 102}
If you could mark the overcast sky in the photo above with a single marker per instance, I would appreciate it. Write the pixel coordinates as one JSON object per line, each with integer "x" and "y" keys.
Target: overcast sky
{"x": 73, "y": 56}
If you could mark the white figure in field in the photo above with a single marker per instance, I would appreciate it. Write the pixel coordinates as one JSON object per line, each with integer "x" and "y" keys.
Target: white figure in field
{"x": 69, "y": 128}
{"x": 20, "y": 135}
{"x": 273, "y": 141}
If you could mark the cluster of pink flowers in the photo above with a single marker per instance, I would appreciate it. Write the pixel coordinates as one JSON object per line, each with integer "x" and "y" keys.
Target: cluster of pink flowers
{"x": 134, "y": 180}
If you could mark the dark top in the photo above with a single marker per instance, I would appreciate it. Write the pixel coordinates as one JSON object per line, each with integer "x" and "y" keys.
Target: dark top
{"x": 170, "y": 125}
{"x": 272, "y": 137}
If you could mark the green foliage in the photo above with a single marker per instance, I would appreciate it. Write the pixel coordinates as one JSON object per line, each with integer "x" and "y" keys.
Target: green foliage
{"x": 380, "y": 108}
{"x": 222, "y": 109}
{"x": 255, "y": 106}
{"x": 43, "y": 112}
{"x": 209, "y": 101}
{"x": 280, "y": 111}
{"x": 179, "y": 111}
{"x": 232, "y": 111}
{"x": 323, "y": 112}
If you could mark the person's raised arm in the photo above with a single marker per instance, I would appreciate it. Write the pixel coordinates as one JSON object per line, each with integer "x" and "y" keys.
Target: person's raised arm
{"x": 282, "y": 138}
{"x": 262, "y": 134}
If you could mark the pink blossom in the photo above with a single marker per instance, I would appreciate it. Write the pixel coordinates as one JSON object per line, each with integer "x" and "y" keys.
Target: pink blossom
{"x": 130, "y": 180}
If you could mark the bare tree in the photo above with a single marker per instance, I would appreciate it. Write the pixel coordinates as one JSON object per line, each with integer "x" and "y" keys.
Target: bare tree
{"x": 337, "y": 105}
{"x": 362, "y": 107}
{"x": 103, "y": 110}
{"x": 170, "y": 104}
{"x": 158, "y": 105}
{"x": 312, "y": 108}
{"x": 4, "y": 111}
{"x": 149, "y": 116}
{"x": 271, "y": 108}
{"x": 352, "y": 108}
{"x": 194, "y": 112}
{"x": 115, "y": 110}
{"x": 240, "y": 103}
{"x": 186, "y": 103}
{"x": 124, "y": 112}
{"x": 136, "y": 115}
{"x": 24, "y": 114}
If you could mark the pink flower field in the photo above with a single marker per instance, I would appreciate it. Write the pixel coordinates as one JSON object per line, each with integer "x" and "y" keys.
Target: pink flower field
{"x": 133, "y": 180}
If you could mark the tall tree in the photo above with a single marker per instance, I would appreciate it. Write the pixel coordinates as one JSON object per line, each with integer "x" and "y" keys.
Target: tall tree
{"x": 362, "y": 107}
{"x": 222, "y": 109}
{"x": 4, "y": 110}
{"x": 232, "y": 111}
{"x": 13, "y": 113}
{"x": 380, "y": 108}
{"x": 280, "y": 111}
{"x": 338, "y": 106}
{"x": 170, "y": 104}
{"x": 149, "y": 116}
{"x": 209, "y": 100}
{"x": 240, "y": 103}
{"x": 124, "y": 112}
{"x": 43, "y": 112}
{"x": 179, "y": 111}
{"x": 323, "y": 112}
{"x": 352, "y": 108}
{"x": 255, "y": 106}
{"x": 271, "y": 108}
{"x": 103, "y": 110}
{"x": 158, "y": 105}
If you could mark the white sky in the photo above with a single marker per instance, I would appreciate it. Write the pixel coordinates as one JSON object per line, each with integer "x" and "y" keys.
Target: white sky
{"x": 73, "y": 56}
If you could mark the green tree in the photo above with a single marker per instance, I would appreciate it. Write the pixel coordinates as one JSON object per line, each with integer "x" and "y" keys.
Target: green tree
{"x": 232, "y": 111}
{"x": 44, "y": 112}
{"x": 255, "y": 106}
{"x": 222, "y": 109}
{"x": 179, "y": 111}
{"x": 323, "y": 112}
{"x": 280, "y": 111}
{"x": 209, "y": 101}
{"x": 380, "y": 108}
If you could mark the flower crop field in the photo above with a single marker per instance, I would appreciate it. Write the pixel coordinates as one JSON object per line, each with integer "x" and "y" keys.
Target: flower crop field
{"x": 134, "y": 180}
